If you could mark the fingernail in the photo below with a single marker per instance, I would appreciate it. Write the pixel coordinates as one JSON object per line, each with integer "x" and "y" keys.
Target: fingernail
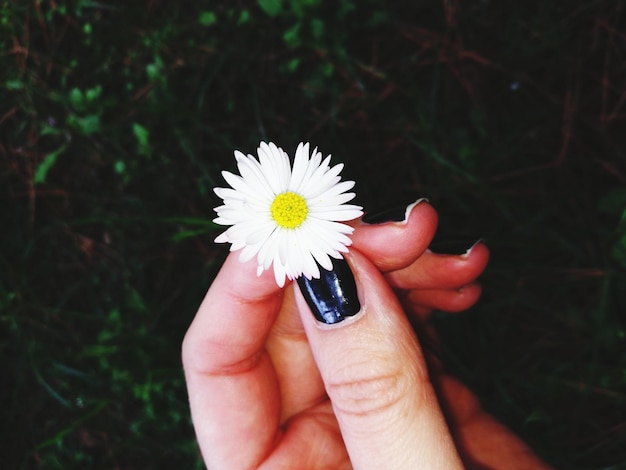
{"x": 454, "y": 245}
{"x": 333, "y": 297}
{"x": 399, "y": 213}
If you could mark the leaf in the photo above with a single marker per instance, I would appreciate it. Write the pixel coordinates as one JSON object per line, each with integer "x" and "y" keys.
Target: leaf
{"x": 271, "y": 7}
{"x": 292, "y": 36}
{"x": 317, "y": 28}
{"x": 207, "y": 18}
{"x": 94, "y": 93}
{"x": 152, "y": 70}
{"x": 86, "y": 125}
{"x": 49, "y": 160}
{"x": 143, "y": 139}
{"x": 15, "y": 84}
{"x": 244, "y": 17}
{"x": 189, "y": 234}
{"x": 293, "y": 64}
{"x": 77, "y": 99}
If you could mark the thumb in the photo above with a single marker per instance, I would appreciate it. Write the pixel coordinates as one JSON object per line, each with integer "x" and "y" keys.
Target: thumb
{"x": 373, "y": 370}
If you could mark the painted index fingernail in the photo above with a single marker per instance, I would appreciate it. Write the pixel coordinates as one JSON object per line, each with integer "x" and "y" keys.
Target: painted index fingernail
{"x": 333, "y": 297}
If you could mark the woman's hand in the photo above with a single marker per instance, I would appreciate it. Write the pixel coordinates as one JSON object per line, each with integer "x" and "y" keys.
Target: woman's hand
{"x": 269, "y": 388}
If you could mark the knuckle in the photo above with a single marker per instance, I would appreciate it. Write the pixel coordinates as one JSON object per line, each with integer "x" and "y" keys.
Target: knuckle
{"x": 367, "y": 388}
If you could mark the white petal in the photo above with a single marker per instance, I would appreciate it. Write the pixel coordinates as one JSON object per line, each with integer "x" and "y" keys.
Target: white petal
{"x": 261, "y": 233}
{"x": 312, "y": 165}
{"x": 275, "y": 165}
{"x": 324, "y": 260}
{"x": 282, "y": 247}
{"x": 252, "y": 172}
{"x": 324, "y": 200}
{"x": 300, "y": 165}
{"x": 279, "y": 274}
{"x": 248, "y": 253}
{"x": 309, "y": 267}
{"x": 236, "y": 245}
{"x": 313, "y": 192}
{"x": 339, "y": 214}
{"x": 227, "y": 192}
{"x": 221, "y": 238}
{"x": 268, "y": 251}
{"x": 323, "y": 177}
{"x": 331, "y": 234}
{"x": 239, "y": 184}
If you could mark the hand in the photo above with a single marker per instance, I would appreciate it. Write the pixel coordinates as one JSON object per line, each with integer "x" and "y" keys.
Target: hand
{"x": 260, "y": 371}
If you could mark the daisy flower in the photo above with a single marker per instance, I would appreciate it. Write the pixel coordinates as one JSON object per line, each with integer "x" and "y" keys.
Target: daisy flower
{"x": 288, "y": 217}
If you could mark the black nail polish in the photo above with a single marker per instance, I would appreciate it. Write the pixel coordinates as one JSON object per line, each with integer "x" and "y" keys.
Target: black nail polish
{"x": 332, "y": 298}
{"x": 453, "y": 245}
{"x": 398, "y": 213}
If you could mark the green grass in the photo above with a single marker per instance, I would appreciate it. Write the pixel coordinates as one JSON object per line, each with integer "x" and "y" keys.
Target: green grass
{"x": 117, "y": 117}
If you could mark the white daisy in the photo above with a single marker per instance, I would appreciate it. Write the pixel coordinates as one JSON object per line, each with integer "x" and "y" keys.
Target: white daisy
{"x": 287, "y": 217}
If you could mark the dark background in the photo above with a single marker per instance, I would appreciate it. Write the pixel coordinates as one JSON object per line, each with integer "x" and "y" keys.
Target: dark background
{"x": 117, "y": 117}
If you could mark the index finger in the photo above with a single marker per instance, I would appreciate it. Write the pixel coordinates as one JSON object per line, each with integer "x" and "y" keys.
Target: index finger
{"x": 230, "y": 380}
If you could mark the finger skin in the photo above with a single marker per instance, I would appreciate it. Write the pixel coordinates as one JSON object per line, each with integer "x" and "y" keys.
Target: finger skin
{"x": 299, "y": 381}
{"x": 446, "y": 300}
{"x": 395, "y": 245}
{"x": 376, "y": 378}
{"x": 230, "y": 378}
{"x": 311, "y": 441}
{"x": 435, "y": 271}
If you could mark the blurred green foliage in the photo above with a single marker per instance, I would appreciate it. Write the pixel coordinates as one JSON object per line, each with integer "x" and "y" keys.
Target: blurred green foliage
{"x": 116, "y": 119}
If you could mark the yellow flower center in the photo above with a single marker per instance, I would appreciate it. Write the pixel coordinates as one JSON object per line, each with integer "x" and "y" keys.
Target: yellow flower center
{"x": 289, "y": 210}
